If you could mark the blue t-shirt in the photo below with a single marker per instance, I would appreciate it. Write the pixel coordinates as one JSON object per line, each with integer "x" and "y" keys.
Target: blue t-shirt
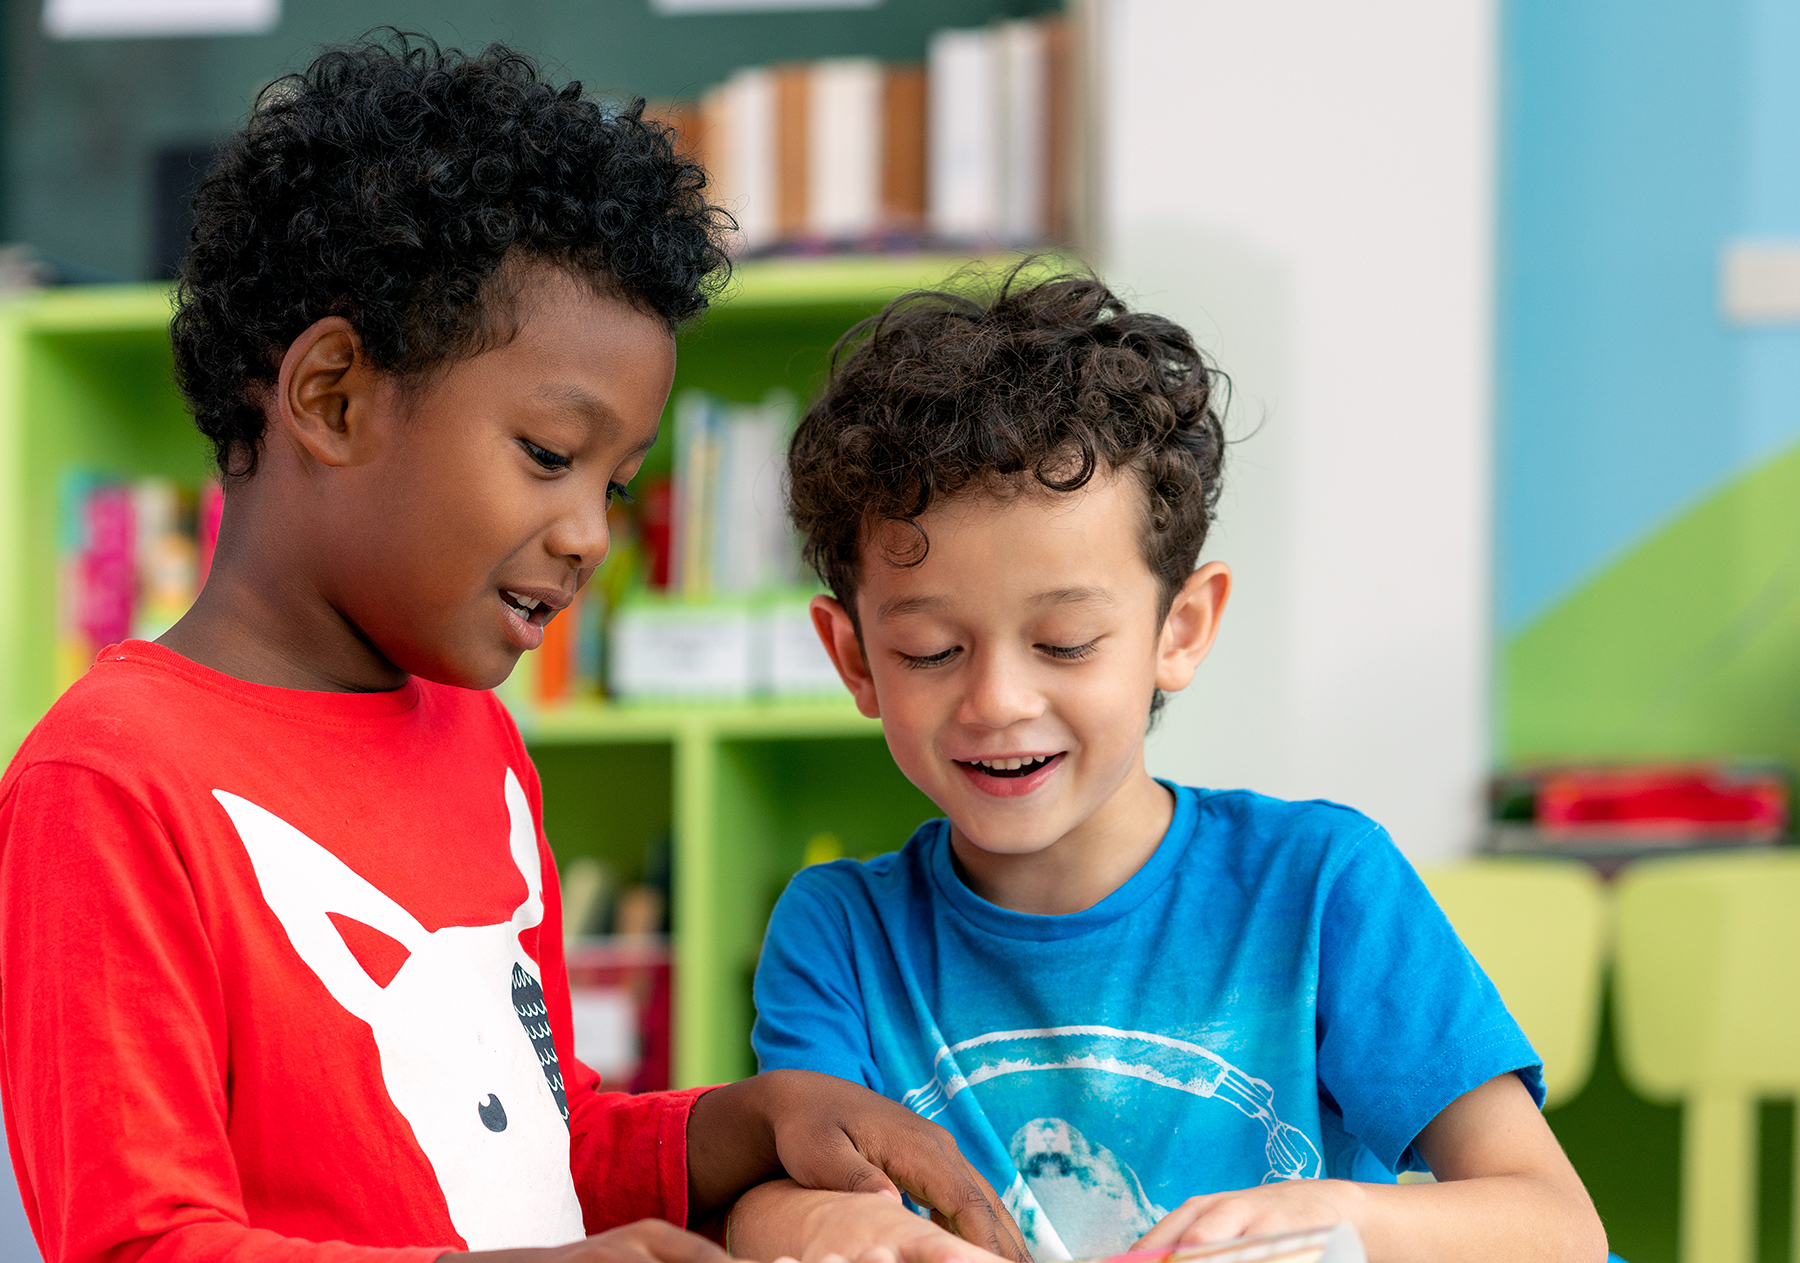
{"x": 1274, "y": 995}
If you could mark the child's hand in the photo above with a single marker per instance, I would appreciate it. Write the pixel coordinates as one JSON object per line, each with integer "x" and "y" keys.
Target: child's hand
{"x": 783, "y": 1219}
{"x": 646, "y": 1241}
{"x": 826, "y": 1133}
{"x": 1290, "y": 1206}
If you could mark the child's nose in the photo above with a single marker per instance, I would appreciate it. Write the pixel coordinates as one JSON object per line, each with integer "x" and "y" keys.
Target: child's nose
{"x": 1000, "y": 692}
{"x": 581, "y": 536}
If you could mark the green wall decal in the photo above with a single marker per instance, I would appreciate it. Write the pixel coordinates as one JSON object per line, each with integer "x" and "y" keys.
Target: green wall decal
{"x": 1689, "y": 645}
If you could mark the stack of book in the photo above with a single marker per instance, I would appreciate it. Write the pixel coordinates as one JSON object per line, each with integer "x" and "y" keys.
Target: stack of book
{"x": 132, "y": 557}
{"x": 701, "y": 595}
{"x": 1621, "y": 810}
{"x": 973, "y": 149}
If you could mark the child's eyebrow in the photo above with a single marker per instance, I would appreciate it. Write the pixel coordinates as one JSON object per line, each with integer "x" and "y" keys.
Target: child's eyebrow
{"x": 584, "y": 406}
{"x": 902, "y": 605}
{"x": 578, "y": 400}
{"x": 1075, "y": 596}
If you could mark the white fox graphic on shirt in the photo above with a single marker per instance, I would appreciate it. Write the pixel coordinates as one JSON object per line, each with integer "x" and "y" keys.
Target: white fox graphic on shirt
{"x": 461, "y": 1028}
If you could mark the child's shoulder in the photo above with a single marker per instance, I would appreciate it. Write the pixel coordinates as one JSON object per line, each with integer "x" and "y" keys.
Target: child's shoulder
{"x": 894, "y": 875}
{"x": 142, "y": 713}
{"x": 1253, "y": 833}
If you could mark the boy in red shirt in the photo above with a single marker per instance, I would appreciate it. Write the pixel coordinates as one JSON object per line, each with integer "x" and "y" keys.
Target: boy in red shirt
{"x": 280, "y": 947}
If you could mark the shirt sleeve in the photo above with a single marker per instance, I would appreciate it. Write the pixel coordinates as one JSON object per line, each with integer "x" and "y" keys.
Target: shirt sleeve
{"x": 1407, "y": 1021}
{"x": 809, "y": 1005}
{"x": 113, "y": 1041}
{"x": 628, "y": 1154}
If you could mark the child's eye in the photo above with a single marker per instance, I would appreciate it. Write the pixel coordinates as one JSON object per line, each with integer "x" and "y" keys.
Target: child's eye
{"x": 930, "y": 660}
{"x": 1071, "y": 653}
{"x": 544, "y": 456}
{"x": 616, "y": 493}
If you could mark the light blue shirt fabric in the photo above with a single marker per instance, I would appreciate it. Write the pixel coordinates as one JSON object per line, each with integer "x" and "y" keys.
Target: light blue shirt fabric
{"x": 1274, "y": 995}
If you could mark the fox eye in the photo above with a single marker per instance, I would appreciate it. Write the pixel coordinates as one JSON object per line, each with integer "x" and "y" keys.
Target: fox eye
{"x": 544, "y": 456}
{"x": 493, "y": 1114}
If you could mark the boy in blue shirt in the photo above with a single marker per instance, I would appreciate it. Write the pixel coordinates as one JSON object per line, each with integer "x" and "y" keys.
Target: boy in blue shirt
{"x": 1147, "y": 1013}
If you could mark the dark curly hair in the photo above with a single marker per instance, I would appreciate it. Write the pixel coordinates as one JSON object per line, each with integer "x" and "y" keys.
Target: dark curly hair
{"x": 1042, "y": 383}
{"x": 388, "y": 183}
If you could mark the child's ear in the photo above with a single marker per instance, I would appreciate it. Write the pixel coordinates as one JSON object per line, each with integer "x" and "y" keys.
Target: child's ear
{"x": 1193, "y": 622}
{"x": 839, "y": 637}
{"x": 325, "y": 394}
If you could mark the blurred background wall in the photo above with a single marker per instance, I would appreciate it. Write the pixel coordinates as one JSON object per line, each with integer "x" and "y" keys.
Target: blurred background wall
{"x": 1308, "y": 185}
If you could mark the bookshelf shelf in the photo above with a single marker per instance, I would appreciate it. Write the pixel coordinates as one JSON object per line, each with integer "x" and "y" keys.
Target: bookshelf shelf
{"x": 739, "y": 789}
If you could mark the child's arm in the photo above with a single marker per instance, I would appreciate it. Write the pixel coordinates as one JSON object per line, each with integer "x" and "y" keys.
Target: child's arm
{"x": 783, "y": 1220}
{"x": 830, "y": 1134}
{"x": 1506, "y": 1194}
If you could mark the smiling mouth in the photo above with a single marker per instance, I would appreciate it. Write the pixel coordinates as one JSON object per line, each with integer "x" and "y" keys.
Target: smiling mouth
{"x": 1009, "y": 769}
{"x": 530, "y": 609}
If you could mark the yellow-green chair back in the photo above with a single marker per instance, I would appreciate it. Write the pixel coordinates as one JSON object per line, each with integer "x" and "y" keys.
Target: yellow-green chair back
{"x": 1538, "y": 927}
{"x": 1707, "y": 995}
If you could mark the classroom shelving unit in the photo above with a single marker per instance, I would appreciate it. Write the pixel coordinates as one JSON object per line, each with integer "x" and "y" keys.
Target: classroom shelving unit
{"x": 85, "y": 383}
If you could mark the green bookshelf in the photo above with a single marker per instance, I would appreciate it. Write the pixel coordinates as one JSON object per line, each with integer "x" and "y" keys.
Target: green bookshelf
{"x": 85, "y": 383}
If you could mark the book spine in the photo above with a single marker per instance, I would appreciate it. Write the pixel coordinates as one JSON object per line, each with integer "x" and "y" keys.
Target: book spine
{"x": 903, "y": 148}
{"x": 793, "y": 85}
{"x": 844, "y": 139}
{"x": 748, "y": 121}
{"x": 1020, "y": 58}
{"x": 963, "y": 136}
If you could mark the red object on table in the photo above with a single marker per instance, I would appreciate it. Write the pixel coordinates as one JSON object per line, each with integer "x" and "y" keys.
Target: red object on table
{"x": 1691, "y": 799}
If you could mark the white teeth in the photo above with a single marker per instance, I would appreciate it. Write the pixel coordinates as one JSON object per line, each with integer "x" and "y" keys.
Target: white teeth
{"x": 524, "y": 602}
{"x": 1011, "y": 765}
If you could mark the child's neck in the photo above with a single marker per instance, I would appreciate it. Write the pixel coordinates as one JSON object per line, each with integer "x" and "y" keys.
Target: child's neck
{"x": 261, "y": 618}
{"x": 1083, "y": 866}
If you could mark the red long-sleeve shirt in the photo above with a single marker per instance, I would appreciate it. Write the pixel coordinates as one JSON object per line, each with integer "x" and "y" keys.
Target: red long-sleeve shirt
{"x": 281, "y": 978}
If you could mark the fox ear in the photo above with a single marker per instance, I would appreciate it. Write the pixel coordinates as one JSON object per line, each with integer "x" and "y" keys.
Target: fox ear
{"x": 303, "y": 884}
{"x": 522, "y": 838}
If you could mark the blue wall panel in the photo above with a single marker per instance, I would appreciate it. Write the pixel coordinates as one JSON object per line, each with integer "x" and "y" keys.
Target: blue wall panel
{"x": 1636, "y": 141}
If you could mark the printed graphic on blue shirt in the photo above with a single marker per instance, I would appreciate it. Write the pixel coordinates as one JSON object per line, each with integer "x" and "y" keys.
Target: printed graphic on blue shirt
{"x": 1273, "y": 996}
{"x": 1071, "y": 1194}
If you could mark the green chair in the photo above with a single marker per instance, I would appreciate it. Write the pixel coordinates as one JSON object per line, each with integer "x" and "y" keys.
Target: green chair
{"x": 1707, "y": 995}
{"x": 1538, "y": 927}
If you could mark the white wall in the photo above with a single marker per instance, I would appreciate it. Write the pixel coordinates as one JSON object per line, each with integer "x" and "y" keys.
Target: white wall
{"x": 1309, "y": 184}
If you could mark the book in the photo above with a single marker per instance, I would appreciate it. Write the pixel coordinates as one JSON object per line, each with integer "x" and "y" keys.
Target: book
{"x": 1020, "y": 63}
{"x": 1337, "y": 1244}
{"x": 903, "y": 147}
{"x": 737, "y": 147}
{"x": 130, "y": 561}
{"x": 845, "y": 103}
{"x": 793, "y": 173}
{"x": 964, "y": 129}
{"x": 976, "y": 147}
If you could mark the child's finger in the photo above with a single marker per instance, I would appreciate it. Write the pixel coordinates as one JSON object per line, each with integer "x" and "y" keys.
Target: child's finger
{"x": 1169, "y": 1228}
{"x": 931, "y": 1168}
{"x": 653, "y": 1239}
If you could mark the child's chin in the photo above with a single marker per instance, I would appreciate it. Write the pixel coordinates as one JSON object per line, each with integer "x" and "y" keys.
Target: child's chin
{"x": 488, "y": 671}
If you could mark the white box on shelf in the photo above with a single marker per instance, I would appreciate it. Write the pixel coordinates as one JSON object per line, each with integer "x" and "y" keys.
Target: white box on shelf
{"x": 666, "y": 649}
{"x": 798, "y": 664}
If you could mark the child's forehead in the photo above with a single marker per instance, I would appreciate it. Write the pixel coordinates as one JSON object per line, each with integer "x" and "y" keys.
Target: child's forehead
{"x": 1036, "y": 544}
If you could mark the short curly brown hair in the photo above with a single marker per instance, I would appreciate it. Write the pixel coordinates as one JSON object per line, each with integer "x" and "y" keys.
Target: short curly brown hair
{"x": 1048, "y": 381}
